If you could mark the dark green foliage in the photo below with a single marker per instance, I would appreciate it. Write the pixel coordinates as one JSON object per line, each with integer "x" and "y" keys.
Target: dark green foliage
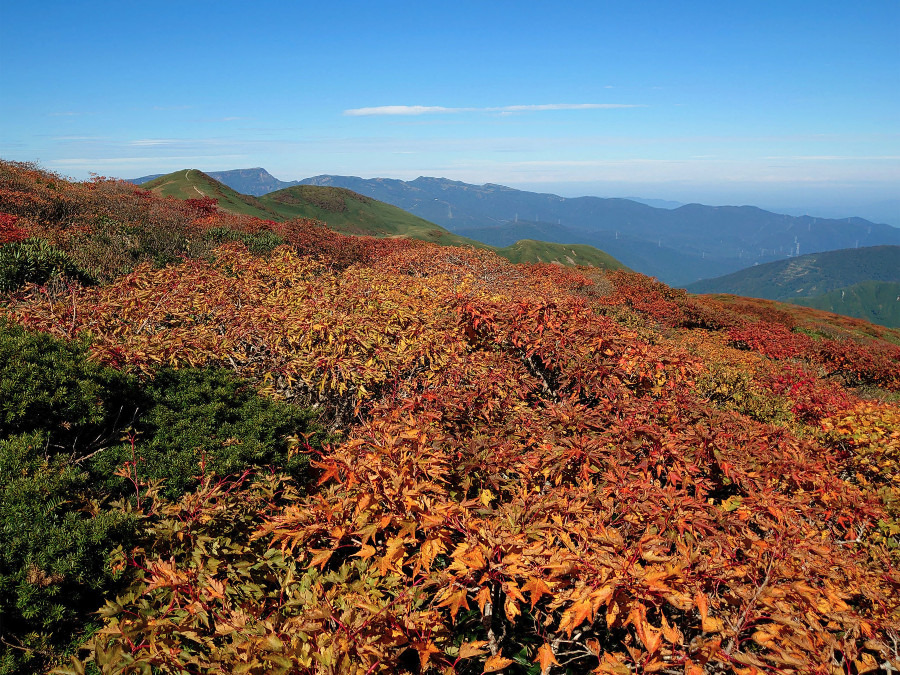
{"x": 210, "y": 416}
{"x": 66, "y": 426}
{"x": 53, "y": 561}
{"x": 809, "y": 276}
{"x": 35, "y": 261}
{"x": 50, "y": 385}
{"x": 258, "y": 243}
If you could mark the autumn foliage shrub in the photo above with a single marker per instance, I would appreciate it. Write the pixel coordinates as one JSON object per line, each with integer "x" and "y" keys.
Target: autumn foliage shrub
{"x": 537, "y": 470}
{"x": 9, "y": 232}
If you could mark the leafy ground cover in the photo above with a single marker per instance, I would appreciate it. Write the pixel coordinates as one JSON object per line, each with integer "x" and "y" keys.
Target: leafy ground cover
{"x": 533, "y": 469}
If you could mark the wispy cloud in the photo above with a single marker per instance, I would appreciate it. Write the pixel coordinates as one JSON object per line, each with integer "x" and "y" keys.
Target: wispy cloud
{"x": 76, "y": 138}
{"x": 88, "y": 162}
{"x": 153, "y": 142}
{"x": 429, "y": 110}
{"x": 834, "y": 158}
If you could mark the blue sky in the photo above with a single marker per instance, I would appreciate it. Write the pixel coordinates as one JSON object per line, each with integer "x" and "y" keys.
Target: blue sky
{"x": 724, "y": 102}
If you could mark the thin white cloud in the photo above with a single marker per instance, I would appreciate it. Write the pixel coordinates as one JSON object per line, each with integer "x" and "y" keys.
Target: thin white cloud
{"x": 153, "y": 142}
{"x": 76, "y": 138}
{"x": 402, "y": 110}
{"x": 832, "y": 158}
{"x": 427, "y": 110}
{"x": 116, "y": 161}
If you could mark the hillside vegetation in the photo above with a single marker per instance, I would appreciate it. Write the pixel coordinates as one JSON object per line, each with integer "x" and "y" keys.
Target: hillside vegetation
{"x": 808, "y": 275}
{"x": 348, "y": 212}
{"x": 679, "y": 245}
{"x": 229, "y": 445}
{"x": 875, "y": 301}
{"x": 856, "y": 282}
{"x": 193, "y": 184}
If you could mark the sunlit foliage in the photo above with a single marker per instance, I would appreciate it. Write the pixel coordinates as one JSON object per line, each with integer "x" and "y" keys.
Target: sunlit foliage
{"x": 538, "y": 470}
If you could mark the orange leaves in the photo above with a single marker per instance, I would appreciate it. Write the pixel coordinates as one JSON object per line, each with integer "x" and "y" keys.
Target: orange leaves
{"x": 575, "y": 615}
{"x": 709, "y": 624}
{"x": 454, "y": 598}
{"x": 496, "y": 663}
{"x": 513, "y": 461}
{"x": 536, "y": 587}
{"x": 545, "y": 657}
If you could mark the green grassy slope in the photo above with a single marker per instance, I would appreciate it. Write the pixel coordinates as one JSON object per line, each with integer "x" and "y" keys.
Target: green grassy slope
{"x": 529, "y": 250}
{"x": 875, "y": 301}
{"x": 349, "y": 212}
{"x": 194, "y": 184}
{"x": 808, "y": 275}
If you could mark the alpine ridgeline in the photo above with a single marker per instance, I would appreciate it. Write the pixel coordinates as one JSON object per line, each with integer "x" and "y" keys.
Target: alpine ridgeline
{"x": 679, "y": 246}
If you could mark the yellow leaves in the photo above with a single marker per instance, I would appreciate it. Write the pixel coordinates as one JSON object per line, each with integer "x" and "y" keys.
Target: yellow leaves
{"x": 320, "y": 557}
{"x": 428, "y": 551}
{"x": 467, "y": 559}
{"x": 394, "y": 553}
{"x": 486, "y": 497}
{"x": 467, "y": 650}
{"x": 365, "y": 552}
{"x": 866, "y": 663}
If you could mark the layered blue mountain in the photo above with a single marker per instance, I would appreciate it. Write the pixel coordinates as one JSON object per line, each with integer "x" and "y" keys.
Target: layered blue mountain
{"x": 679, "y": 245}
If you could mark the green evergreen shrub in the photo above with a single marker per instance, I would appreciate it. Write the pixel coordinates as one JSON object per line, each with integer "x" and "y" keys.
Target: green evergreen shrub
{"x": 50, "y": 385}
{"x": 66, "y": 426}
{"x": 210, "y": 416}
{"x": 35, "y": 261}
{"x": 53, "y": 560}
{"x": 258, "y": 243}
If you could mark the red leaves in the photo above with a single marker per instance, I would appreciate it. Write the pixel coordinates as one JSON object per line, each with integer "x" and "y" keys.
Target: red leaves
{"x": 516, "y": 461}
{"x": 9, "y": 232}
{"x": 204, "y": 206}
{"x": 773, "y": 340}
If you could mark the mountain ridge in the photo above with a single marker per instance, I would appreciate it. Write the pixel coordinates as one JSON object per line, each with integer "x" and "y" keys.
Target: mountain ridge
{"x": 647, "y": 236}
{"x": 349, "y": 212}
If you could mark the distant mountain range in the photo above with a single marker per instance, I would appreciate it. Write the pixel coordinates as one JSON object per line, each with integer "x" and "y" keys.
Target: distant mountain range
{"x": 255, "y": 182}
{"x": 884, "y": 211}
{"x": 351, "y": 213}
{"x": 678, "y": 244}
{"x": 863, "y": 282}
